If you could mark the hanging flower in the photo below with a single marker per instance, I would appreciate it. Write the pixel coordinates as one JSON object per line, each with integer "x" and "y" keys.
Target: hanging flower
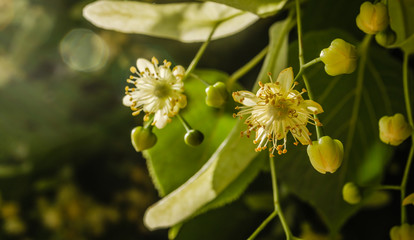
{"x": 158, "y": 91}
{"x": 275, "y": 110}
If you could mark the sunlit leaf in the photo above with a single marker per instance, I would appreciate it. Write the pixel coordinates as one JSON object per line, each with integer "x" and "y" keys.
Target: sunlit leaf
{"x": 365, "y": 156}
{"x": 263, "y": 8}
{"x": 187, "y": 22}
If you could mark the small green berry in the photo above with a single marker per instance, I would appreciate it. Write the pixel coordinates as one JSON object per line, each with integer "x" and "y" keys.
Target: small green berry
{"x": 142, "y": 138}
{"x": 385, "y": 38}
{"x": 216, "y": 95}
{"x": 351, "y": 193}
{"x": 193, "y": 138}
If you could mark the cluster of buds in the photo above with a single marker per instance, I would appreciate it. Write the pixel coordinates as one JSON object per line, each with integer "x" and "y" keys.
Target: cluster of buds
{"x": 374, "y": 19}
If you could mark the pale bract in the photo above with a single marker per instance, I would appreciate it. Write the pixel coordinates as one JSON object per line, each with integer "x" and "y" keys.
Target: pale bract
{"x": 186, "y": 22}
{"x": 157, "y": 90}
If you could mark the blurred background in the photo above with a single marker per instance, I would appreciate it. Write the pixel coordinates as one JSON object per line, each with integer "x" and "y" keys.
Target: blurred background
{"x": 67, "y": 167}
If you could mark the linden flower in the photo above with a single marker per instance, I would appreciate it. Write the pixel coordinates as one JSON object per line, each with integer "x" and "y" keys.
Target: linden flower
{"x": 157, "y": 90}
{"x": 275, "y": 110}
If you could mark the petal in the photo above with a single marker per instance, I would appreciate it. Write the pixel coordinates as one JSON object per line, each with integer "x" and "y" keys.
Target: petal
{"x": 312, "y": 106}
{"x": 245, "y": 97}
{"x": 285, "y": 79}
{"x": 144, "y": 64}
{"x": 127, "y": 101}
{"x": 178, "y": 71}
{"x": 160, "y": 120}
{"x": 165, "y": 73}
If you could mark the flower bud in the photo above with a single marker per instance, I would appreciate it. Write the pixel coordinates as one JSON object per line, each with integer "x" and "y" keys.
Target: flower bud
{"x": 326, "y": 154}
{"x": 142, "y": 138}
{"x": 193, "y": 138}
{"x": 351, "y": 193}
{"x": 385, "y": 38}
{"x": 339, "y": 58}
{"x": 216, "y": 94}
{"x": 394, "y": 129}
{"x": 372, "y": 18}
{"x": 403, "y": 232}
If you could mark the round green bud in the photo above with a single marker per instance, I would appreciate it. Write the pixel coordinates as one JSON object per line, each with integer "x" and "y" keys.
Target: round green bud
{"x": 216, "y": 94}
{"x": 142, "y": 138}
{"x": 394, "y": 129}
{"x": 339, "y": 58}
{"x": 193, "y": 138}
{"x": 403, "y": 232}
{"x": 326, "y": 154}
{"x": 385, "y": 38}
{"x": 372, "y": 18}
{"x": 351, "y": 193}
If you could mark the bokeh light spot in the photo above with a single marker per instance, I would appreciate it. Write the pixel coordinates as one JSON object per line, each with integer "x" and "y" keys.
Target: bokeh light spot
{"x": 83, "y": 50}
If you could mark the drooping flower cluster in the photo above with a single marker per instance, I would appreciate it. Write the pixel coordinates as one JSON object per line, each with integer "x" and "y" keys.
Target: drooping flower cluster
{"x": 275, "y": 110}
{"x": 158, "y": 90}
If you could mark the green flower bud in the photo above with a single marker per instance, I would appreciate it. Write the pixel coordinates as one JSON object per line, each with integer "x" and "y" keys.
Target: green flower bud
{"x": 339, "y": 58}
{"x": 193, "y": 138}
{"x": 394, "y": 129}
{"x": 351, "y": 193}
{"x": 216, "y": 94}
{"x": 403, "y": 232}
{"x": 372, "y": 18}
{"x": 326, "y": 154}
{"x": 385, "y": 38}
{"x": 142, "y": 138}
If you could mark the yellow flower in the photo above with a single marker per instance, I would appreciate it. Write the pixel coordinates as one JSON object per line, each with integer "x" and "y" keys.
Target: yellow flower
{"x": 326, "y": 154}
{"x": 403, "y": 232}
{"x": 158, "y": 91}
{"x": 339, "y": 58}
{"x": 394, "y": 129}
{"x": 275, "y": 110}
{"x": 373, "y": 18}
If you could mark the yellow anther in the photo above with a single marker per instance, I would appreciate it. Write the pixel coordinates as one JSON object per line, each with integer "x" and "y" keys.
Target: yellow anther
{"x": 285, "y": 150}
{"x": 154, "y": 61}
{"x": 133, "y": 69}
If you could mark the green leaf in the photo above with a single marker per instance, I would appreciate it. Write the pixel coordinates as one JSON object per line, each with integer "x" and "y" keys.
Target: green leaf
{"x": 186, "y": 22}
{"x": 171, "y": 162}
{"x": 402, "y": 22}
{"x": 263, "y": 8}
{"x": 227, "y": 172}
{"x": 365, "y": 156}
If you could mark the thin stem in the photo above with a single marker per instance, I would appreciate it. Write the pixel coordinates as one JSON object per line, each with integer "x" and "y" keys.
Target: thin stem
{"x": 263, "y": 225}
{"x": 363, "y": 48}
{"x": 276, "y": 201}
{"x": 184, "y": 122}
{"x": 405, "y": 180}
{"x": 306, "y": 65}
{"x": 199, "y": 79}
{"x": 407, "y": 90}
{"x": 303, "y": 66}
{"x": 247, "y": 67}
{"x": 200, "y": 52}
{"x": 410, "y": 121}
{"x": 299, "y": 26}
{"x": 387, "y": 187}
